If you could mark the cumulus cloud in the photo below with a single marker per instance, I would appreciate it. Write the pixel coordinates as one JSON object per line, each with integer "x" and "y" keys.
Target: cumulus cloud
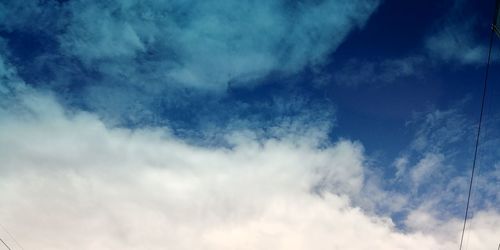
{"x": 482, "y": 228}
{"x": 71, "y": 182}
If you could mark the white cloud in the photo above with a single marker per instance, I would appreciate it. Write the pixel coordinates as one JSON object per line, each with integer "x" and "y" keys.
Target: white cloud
{"x": 482, "y": 232}
{"x": 70, "y": 182}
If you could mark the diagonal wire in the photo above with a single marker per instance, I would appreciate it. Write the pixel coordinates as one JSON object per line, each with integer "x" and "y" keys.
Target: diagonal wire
{"x": 477, "y": 137}
{"x": 5, "y": 244}
{"x": 11, "y": 236}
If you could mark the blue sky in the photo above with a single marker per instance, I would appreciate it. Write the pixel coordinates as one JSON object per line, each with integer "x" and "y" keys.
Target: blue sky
{"x": 245, "y": 123}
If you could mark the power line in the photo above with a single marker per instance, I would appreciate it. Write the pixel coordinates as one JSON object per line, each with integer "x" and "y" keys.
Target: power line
{"x": 5, "y": 244}
{"x": 11, "y": 236}
{"x": 483, "y": 98}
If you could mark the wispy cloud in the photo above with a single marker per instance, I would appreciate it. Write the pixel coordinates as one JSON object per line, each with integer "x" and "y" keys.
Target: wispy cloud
{"x": 438, "y": 129}
{"x": 455, "y": 38}
{"x": 456, "y": 43}
{"x": 425, "y": 167}
{"x": 439, "y": 158}
{"x": 387, "y": 71}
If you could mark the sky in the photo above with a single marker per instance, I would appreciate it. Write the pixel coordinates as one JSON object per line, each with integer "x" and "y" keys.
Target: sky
{"x": 223, "y": 124}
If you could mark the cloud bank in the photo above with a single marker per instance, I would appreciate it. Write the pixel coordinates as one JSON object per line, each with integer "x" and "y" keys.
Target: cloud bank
{"x": 70, "y": 182}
